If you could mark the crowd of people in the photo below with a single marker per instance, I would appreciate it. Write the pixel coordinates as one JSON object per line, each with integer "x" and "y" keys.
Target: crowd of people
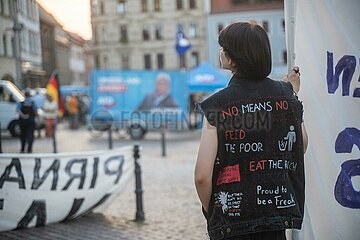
{"x": 40, "y": 110}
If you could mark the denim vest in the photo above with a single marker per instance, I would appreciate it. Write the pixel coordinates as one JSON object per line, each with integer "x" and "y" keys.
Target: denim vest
{"x": 258, "y": 178}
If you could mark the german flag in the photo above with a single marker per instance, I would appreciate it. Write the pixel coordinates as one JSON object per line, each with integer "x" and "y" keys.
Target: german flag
{"x": 53, "y": 89}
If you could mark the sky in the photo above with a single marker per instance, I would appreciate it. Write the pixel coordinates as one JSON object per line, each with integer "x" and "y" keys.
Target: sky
{"x": 74, "y": 15}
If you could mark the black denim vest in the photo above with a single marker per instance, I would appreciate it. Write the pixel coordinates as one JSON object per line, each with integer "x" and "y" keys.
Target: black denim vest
{"x": 258, "y": 179}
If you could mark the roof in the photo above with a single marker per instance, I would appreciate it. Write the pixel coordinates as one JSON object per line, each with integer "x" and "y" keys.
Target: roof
{"x": 48, "y": 17}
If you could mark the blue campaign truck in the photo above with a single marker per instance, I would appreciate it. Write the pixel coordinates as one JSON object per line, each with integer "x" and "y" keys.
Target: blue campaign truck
{"x": 138, "y": 101}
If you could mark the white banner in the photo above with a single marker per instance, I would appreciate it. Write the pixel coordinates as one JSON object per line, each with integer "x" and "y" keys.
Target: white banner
{"x": 38, "y": 189}
{"x": 327, "y": 50}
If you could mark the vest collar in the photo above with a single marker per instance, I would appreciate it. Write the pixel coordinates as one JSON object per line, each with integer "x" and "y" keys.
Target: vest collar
{"x": 243, "y": 80}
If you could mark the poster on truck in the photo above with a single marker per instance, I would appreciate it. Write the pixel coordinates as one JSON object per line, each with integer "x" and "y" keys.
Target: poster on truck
{"x": 155, "y": 98}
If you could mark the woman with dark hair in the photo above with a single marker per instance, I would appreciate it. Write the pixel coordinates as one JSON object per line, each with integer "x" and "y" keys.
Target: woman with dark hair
{"x": 249, "y": 173}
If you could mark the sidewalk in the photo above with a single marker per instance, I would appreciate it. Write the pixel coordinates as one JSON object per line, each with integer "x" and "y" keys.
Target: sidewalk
{"x": 171, "y": 206}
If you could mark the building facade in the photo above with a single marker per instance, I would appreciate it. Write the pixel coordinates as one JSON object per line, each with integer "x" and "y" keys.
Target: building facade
{"x": 30, "y": 43}
{"x": 48, "y": 23}
{"x": 141, "y": 34}
{"x": 89, "y": 60}
{"x": 268, "y": 13}
{"x": 7, "y": 58}
{"x": 62, "y": 56}
{"x": 63, "y": 51}
{"x": 77, "y": 59}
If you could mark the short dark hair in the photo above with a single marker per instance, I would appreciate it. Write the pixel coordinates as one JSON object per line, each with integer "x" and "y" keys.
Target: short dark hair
{"x": 248, "y": 45}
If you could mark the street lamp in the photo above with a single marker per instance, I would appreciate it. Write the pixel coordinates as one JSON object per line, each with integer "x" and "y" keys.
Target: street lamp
{"x": 17, "y": 28}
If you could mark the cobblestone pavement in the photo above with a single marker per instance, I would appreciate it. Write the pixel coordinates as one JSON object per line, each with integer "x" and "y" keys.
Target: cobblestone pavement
{"x": 172, "y": 210}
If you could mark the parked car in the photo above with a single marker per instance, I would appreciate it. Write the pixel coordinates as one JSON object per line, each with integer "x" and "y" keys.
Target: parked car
{"x": 10, "y": 96}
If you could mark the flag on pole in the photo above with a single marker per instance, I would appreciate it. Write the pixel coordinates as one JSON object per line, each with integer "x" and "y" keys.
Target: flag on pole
{"x": 182, "y": 43}
{"x": 53, "y": 89}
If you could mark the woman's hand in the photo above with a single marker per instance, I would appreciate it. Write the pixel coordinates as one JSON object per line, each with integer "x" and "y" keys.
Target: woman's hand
{"x": 294, "y": 79}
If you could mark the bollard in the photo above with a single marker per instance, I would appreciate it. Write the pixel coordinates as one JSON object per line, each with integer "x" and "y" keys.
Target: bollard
{"x": 163, "y": 143}
{"x": 54, "y": 138}
{"x": 0, "y": 140}
{"x": 110, "y": 138}
{"x": 139, "y": 217}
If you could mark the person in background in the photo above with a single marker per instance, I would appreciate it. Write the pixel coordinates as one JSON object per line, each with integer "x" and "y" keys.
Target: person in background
{"x": 83, "y": 108}
{"x": 161, "y": 97}
{"x": 246, "y": 188}
{"x": 51, "y": 110}
{"x": 39, "y": 100}
{"x": 27, "y": 112}
{"x": 73, "y": 110}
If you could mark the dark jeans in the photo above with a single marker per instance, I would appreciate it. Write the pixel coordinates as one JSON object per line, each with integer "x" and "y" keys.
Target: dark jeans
{"x": 273, "y": 235}
{"x": 27, "y": 128}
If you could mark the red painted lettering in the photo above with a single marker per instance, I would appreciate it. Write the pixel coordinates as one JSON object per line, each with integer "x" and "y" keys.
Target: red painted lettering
{"x": 281, "y": 105}
{"x": 252, "y": 166}
{"x": 234, "y": 134}
{"x": 233, "y": 111}
{"x": 256, "y": 166}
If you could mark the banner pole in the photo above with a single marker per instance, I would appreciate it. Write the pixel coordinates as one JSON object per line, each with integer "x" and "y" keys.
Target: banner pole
{"x": 110, "y": 138}
{"x": 289, "y": 12}
{"x": 139, "y": 217}
{"x": 163, "y": 143}
{"x": 54, "y": 137}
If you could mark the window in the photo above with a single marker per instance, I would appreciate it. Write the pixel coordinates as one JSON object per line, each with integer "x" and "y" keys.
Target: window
{"x": 147, "y": 61}
{"x": 284, "y": 55}
{"x": 195, "y": 59}
{"x": 193, "y": 30}
{"x": 192, "y": 4}
{"x": 94, "y": 7}
{"x": 125, "y": 62}
{"x": 1, "y": 46}
{"x": 102, "y": 8}
{"x": 160, "y": 61}
{"x": 2, "y": 9}
{"x": 146, "y": 33}
{"x": 106, "y": 62}
{"x": 120, "y": 8}
{"x": 97, "y": 61}
{"x": 5, "y": 96}
{"x": 23, "y": 40}
{"x": 4, "y": 40}
{"x": 283, "y": 25}
{"x": 31, "y": 42}
{"x": 158, "y": 32}
{"x": 156, "y": 5}
{"x": 179, "y": 4}
{"x": 123, "y": 34}
{"x": 265, "y": 25}
{"x": 103, "y": 33}
{"x": 95, "y": 36}
{"x": 12, "y": 46}
{"x": 144, "y": 5}
{"x": 240, "y": 2}
{"x": 182, "y": 61}
{"x": 11, "y": 9}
